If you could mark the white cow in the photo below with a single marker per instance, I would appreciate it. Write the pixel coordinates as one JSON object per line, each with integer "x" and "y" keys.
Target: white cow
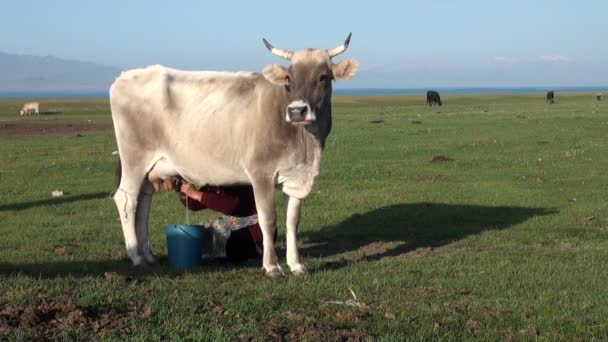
{"x": 30, "y": 106}
{"x": 224, "y": 128}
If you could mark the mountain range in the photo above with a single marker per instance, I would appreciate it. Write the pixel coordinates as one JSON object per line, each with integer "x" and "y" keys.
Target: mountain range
{"x": 25, "y": 73}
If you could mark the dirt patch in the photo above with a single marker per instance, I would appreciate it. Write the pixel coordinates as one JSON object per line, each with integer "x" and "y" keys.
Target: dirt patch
{"x": 16, "y": 129}
{"x": 301, "y": 327}
{"x": 487, "y": 141}
{"x": 380, "y": 247}
{"x": 589, "y": 219}
{"x": 47, "y": 318}
{"x": 415, "y": 122}
{"x": 431, "y": 177}
{"x": 442, "y": 159}
{"x": 61, "y": 251}
{"x": 376, "y": 121}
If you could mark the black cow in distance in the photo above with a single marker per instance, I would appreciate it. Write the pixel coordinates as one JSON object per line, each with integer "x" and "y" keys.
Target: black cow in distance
{"x": 432, "y": 98}
{"x": 551, "y": 96}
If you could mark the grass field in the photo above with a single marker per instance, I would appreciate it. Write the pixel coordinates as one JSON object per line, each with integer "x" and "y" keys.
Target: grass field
{"x": 484, "y": 219}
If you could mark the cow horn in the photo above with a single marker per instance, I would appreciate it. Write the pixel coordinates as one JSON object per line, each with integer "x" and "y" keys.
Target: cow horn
{"x": 341, "y": 48}
{"x": 278, "y": 52}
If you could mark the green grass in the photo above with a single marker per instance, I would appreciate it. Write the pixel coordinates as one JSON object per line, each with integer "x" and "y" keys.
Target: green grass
{"x": 507, "y": 241}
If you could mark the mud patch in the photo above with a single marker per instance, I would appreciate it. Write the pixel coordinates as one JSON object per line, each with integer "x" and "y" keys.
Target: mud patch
{"x": 16, "y": 129}
{"x": 376, "y": 121}
{"x": 442, "y": 159}
{"x": 48, "y": 318}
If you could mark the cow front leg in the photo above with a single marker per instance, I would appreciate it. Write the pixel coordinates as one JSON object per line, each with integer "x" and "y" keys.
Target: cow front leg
{"x": 263, "y": 191}
{"x": 292, "y": 220}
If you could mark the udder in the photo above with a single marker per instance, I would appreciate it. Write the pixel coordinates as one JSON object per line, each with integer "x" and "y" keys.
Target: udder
{"x": 162, "y": 172}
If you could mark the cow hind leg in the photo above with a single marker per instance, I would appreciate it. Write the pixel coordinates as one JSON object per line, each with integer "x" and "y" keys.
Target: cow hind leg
{"x": 141, "y": 222}
{"x": 263, "y": 191}
{"x": 126, "y": 199}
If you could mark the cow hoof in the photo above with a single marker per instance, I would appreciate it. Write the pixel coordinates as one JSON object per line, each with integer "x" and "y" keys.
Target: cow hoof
{"x": 299, "y": 270}
{"x": 137, "y": 260}
{"x": 275, "y": 273}
{"x": 150, "y": 258}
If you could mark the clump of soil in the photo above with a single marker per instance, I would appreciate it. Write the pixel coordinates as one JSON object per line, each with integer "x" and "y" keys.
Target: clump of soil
{"x": 442, "y": 159}
{"x": 47, "y": 318}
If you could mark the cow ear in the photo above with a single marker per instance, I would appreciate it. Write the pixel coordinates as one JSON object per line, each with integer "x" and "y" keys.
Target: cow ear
{"x": 275, "y": 73}
{"x": 345, "y": 68}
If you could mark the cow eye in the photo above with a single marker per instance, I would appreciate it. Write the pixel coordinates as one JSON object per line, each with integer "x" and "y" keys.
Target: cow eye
{"x": 287, "y": 83}
{"x": 323, "y": 78}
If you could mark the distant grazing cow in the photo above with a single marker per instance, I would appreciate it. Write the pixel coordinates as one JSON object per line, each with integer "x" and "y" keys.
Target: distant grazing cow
{"x": 223, "y": 128}
{"x": 598, "y": 97}
{"x": 432, "y": 98}
{"x": 30, "y": 106}
{"x": 551, "y": 96}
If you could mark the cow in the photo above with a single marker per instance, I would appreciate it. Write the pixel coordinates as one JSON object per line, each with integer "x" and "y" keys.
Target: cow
{"x": 30, "y": 106}
{"x": 223, "y": 128}
{"x": 432, "y": 98}
{"x": 598, "y": 97}
{"x": 551, "y": 97}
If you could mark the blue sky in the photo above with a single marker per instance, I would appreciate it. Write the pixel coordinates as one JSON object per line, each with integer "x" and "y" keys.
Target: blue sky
{"x": 433, "y": 43}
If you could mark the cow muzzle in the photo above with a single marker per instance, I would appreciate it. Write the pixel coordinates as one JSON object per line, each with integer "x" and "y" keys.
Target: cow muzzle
{"x": 299, "y": 112}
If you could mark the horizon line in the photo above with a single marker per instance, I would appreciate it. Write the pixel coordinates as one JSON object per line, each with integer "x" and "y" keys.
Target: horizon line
{"x": 353, "y": 91}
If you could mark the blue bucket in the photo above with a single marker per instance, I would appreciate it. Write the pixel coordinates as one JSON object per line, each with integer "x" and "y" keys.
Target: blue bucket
{"x": 184, "y": 245}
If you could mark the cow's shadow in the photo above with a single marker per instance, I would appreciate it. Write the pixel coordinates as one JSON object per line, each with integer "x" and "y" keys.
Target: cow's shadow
{"x": 383, "y": 232}
{"x": 402, "y": 228}
{"x": 116, "y": 268}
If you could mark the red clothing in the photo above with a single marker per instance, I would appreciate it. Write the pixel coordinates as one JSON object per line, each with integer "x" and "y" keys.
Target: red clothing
{"x": 232, "y": 200}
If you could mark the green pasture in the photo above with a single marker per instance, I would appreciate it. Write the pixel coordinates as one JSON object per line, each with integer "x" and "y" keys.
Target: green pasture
{"x": 485, "y": 219}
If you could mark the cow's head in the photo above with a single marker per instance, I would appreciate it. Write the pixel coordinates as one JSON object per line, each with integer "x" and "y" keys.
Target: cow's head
{"x": 306, "y": 82}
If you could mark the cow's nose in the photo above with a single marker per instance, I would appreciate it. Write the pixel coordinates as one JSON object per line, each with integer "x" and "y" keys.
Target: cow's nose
{"x": 297, "y": 110}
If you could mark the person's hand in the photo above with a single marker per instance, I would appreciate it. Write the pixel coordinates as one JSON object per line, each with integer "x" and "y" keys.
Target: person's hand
{"x": 189, "y": 190}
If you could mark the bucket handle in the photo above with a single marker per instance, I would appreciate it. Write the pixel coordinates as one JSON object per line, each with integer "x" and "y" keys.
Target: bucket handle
{"x": 185, "y": 232}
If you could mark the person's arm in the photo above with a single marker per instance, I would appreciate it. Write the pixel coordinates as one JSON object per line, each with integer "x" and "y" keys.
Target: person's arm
{"x": 216, "y": 199}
